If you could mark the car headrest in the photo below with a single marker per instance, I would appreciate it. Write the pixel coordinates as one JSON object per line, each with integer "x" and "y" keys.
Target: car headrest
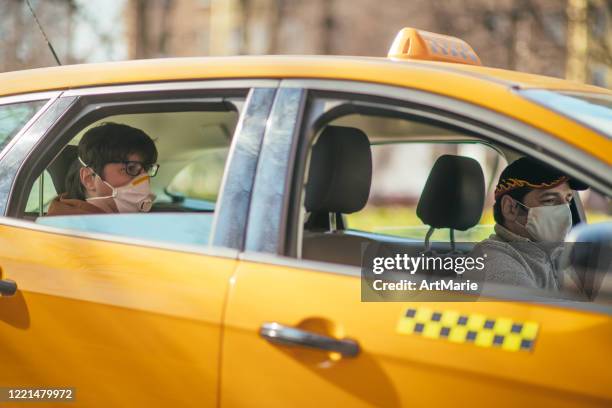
{"x": 340, "y": 171}
{"x": 60, "y": 166}
{"x": 453, "y": 196}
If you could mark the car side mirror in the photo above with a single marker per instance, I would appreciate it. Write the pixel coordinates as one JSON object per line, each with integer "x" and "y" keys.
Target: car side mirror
{"x": 589, "y": 252}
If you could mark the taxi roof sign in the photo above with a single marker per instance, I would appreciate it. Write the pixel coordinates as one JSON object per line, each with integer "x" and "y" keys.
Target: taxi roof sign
{"x": 411, "y": 43}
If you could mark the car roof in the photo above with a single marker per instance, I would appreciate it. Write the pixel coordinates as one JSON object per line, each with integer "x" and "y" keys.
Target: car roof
{"x": 492, "y": 88}
{"x": 369, "y": 69}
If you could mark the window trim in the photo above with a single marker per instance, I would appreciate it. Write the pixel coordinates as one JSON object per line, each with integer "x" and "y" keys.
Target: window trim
{"x": 29, "y": 97}
{"x": 50, "y": 97}
{"x": 12, "y": 163}
{"x": 272, "y": 180}
{"x": 177, "y": 86}
{"x": 233, "y": 202}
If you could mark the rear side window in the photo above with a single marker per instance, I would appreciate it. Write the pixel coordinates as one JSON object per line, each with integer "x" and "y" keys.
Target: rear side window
{"x": 192, "y": 145}
{"x": 14, "y": 116}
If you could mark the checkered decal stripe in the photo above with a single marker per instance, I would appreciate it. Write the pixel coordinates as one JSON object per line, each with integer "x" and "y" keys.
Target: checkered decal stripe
{"x": 476, "y": 329}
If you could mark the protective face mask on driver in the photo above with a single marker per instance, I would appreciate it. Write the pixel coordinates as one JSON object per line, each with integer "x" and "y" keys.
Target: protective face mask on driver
{"x": 548, "y": 223}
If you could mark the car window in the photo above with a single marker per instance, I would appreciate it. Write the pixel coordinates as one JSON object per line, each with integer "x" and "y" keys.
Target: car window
{"x": 13, "y": 116}
{"x": 192, "y": 150}
{"x": 349, "y": 213}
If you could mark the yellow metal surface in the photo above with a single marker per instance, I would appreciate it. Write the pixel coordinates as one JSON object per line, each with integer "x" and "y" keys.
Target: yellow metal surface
{"x": 369, "y": 69}
{"x": 569, "y": 367}
{"x": 486, "y": 87}
{"x": 423, "y": 45}
{"x": 126, "y": 326}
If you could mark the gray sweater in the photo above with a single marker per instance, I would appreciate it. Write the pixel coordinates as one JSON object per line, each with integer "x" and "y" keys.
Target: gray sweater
{"x": 515, "y": 260}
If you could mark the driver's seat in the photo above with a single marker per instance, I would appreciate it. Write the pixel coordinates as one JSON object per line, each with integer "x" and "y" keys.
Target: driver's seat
{"x": 453, "y": 196}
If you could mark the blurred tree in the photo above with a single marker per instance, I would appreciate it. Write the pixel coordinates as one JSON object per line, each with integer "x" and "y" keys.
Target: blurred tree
{"x": 169, "y": 28}
{"x": 276, "y": 12}
{"x": 521, "y": 35}
{"x": 141, "y": 20}
{"x": 23, "y": 46}
{"x": 77, "y": 34}
{"x": 245, "y": 11}
{"x": 153, "y": 27}
{"x": 577, "y": 40}
{"x": 599, "y": 21}
{"x": 526, "y": 35}
{"x": 327, "y": 26}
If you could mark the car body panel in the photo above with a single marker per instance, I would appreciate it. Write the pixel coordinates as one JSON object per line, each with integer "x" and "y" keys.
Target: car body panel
{"x": 125, "y": 325}
{"x": 568, "y": 366}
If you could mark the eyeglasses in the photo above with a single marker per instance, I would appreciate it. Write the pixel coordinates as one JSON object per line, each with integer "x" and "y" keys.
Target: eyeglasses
{"x": 134, "y": 168}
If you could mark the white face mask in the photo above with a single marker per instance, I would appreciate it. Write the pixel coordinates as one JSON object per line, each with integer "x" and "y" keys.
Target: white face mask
{"x": 548, "y": 223}
{"x": 133, "y": 197}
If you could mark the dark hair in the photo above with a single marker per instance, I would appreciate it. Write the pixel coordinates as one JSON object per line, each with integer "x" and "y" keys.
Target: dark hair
{"x": 106, "y": 143}
{"x": 518, "y": 194}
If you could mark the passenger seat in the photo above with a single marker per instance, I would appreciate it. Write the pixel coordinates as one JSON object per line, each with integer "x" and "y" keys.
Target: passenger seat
{"x": 338, "y": 183}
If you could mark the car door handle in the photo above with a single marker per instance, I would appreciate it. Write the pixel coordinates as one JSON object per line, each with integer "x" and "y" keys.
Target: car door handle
{"x": 7, "y": 287}
{"x": 290, "y": 336}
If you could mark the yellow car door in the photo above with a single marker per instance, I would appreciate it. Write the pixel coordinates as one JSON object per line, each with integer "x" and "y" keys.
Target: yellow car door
{"x": 121, "y": 324}
{"x": 297, "y": 332}
{"x": 123, "y": 321}
{"x": 288, "y": 324}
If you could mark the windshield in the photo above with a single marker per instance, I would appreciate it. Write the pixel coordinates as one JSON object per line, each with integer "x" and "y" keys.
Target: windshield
{"x": 593, "y": 110}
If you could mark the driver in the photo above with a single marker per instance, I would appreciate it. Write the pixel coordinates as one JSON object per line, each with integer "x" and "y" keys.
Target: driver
{"x": 111, "y": 173}
{"x": 533, "y": 216}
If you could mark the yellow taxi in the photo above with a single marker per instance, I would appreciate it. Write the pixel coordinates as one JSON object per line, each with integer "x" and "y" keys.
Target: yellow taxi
{"x": 242, "y": 286}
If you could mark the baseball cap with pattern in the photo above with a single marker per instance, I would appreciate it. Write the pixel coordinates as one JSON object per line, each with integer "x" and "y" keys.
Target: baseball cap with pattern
{"x": 528, "y": 172}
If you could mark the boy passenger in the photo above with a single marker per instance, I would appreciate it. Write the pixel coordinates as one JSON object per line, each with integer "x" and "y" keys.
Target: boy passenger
{"x": 111, "y": 173}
